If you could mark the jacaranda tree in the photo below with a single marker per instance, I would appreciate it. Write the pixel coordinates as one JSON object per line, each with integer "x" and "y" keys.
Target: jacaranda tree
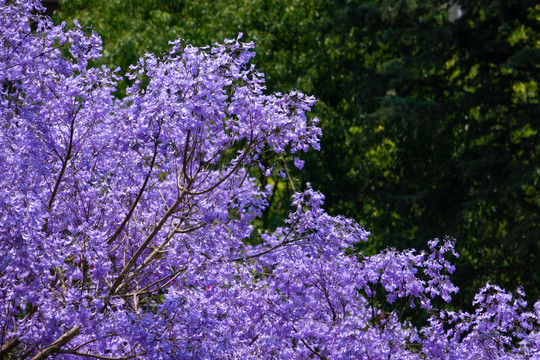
{"x": 125, "y": 225}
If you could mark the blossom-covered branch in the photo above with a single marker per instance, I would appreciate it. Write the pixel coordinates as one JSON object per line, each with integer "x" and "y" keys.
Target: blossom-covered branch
{"x": 126, "y": 226}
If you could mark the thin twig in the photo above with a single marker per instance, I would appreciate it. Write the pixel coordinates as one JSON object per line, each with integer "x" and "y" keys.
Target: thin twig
{"x": 116, "y": 285}
{"x": 137, "y": 199}
{"x": 313, "y": 350}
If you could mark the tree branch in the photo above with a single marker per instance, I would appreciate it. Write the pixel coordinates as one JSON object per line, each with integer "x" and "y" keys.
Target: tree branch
{"x": 116, "y": 285}
{"x": 315, "y": 352}
{"x": 95, "y": 356}
{"x": 233, "y": 170}
{"x": 61, "y": 175}
{"x": 137, "y": 199}
{"x": 160, "y": 247}
{"x": 55, "y": 346}
{"x": 6, "y": 348}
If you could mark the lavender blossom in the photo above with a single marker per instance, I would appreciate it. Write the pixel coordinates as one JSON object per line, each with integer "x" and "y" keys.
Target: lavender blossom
{"x": 123, "y": 223}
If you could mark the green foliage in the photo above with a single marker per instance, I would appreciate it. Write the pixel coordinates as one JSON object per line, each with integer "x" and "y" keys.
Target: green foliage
{"x": 430, "y": 126}
{"x": 439, "y": 133}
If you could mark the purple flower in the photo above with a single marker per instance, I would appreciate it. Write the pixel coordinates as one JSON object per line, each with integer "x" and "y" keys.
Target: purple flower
{"x": 125, "y": 224}
{"x": 298, "y": 163}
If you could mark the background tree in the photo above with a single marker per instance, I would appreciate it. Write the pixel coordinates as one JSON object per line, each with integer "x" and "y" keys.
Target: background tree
{"x": 430, "y": 125}
{"x": 442, "y": 135}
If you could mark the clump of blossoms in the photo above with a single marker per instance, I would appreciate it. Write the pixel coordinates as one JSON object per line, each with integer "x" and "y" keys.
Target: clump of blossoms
{"x": 123, "y": 222}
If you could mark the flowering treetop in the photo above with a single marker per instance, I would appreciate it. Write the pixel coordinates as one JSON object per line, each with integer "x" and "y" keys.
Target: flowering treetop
{"x": 123, "y": 223}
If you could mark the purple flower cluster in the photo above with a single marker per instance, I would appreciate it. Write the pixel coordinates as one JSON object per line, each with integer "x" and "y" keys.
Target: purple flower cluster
{"x": 123, "y": 222}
